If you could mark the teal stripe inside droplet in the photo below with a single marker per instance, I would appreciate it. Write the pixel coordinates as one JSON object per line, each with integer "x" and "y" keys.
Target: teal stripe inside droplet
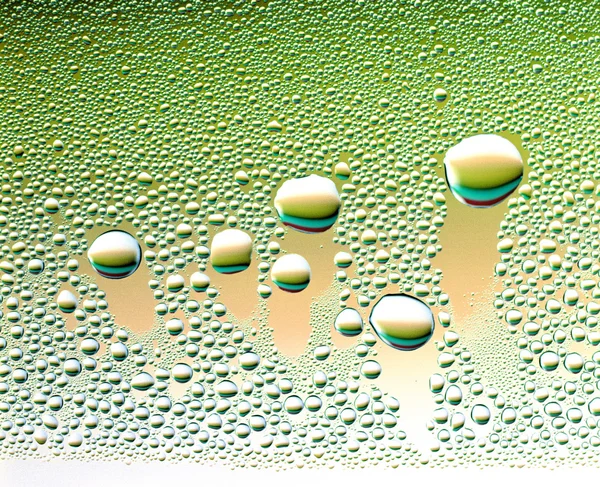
{"x": 310, "y": 223}
{"x": 110, "y": 270}
{"x": 486, "y": 194}
{"x": 230, "y": 269}
{"x": 349, "y": 332}
{"x": 407, "y": 343}
{"x": 291, "y": 287}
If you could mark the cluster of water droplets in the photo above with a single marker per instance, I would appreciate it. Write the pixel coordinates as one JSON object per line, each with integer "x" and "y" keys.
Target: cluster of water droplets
{"x": 181, "y": 144}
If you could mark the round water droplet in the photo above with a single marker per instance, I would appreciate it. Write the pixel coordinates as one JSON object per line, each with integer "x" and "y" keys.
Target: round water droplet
{"x": 310, "y": 204}
{"x": 291, "y": 273}
{"x": 119, "y": 351}
{"x": 40, "y": 436}
{"x": 142, "y": 381}
{"x": 509, "y": 415}
{"x": 343, "y": 259}
{"x": 483, "y": 170}
{"x": 402, "y": 322}
{"x": 594, "y": 406}
{"x": 75, "y": 439}
{"x": 249, "y": 361}
{"x": 371, "y": 369}
{"x": 36, "y": 266}
{"x": 293, "y": 405}
{"x": 67, "y": 302}
{"x": 480, "y": 414}
{"x": 549, "y": 361}
{"x": 175, "y": 283}
{"x": 348, "y": 416}
{"x": 264, "y": 291}
{"x": 436, "y": 383}
{"x": 440, "y": 95}
{"x": 89, "y": 346}
{"x": 571, "y": 297}
{"x": 574, "y": 363}
{"x": 313, "y": 403}
{"x": 342, "y": 171}
{"x": 72, "y": 367}
{"x": 174, "y": 326}
{"x": 226, "y": 388}
{"x": 349, "y": 322}
{"x": 51, "y": 205}
{"x": 322, "y": 352}
{"x": 182, "y": 373}
{"x": 453, "y": 395}
{"x": 199, "y": 281}
{"x": 115, "y": 254}
{"x": 231, "y": 251}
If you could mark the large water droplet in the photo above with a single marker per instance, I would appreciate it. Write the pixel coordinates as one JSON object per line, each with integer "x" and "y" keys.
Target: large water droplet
{"x": 402, "y": 322}
{"x": 291, "y": 273}
{"x": 310, "y": 204}
{"x": 483, "y": 170}
{"x": 231, "y": 251}
{"x": 115, "y": 254}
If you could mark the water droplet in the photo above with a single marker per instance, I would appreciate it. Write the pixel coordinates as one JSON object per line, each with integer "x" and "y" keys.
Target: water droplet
{"x": 402, "y": 321}
{"x": 480, "y": 413}
{"x": 371, "y": 369}
{"x": 67, "y": 302}
{"x": 349, "y": 322}
{"x": 231, "y": 251}
{"x": 115, "y": 254}
{"x": 291, "y": 273}
{"x": 309, "y": 204}
{"x": 483, "y": 170}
